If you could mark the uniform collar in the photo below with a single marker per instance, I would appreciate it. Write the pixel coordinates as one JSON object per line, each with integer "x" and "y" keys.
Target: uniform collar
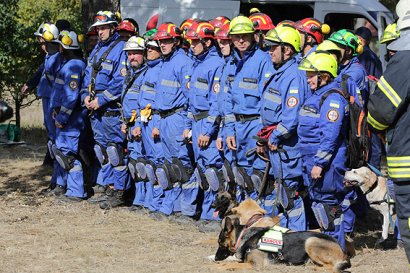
{"x": 173, "y": 54}
{"x": 345, "y": 67}
{"x": 247, "y": 54}
{"x": 210, "y": 52}
{"x": 153, "y": 63}
{"x": 324, "y": 89}
{"x": 285, "y": 65}
{"x": 114, "y": 37}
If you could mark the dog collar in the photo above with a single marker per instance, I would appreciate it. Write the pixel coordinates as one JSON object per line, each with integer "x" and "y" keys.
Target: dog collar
{"x": 255, "y": 218}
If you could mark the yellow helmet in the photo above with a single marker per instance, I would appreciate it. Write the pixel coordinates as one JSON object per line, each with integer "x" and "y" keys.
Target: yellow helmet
{"x": 321, "y": 61}
{"x": 241, "y": 25}
{"x": 284, "y": 34}
{"x": 391, "y": 33}
{"x": 328, "y": 45}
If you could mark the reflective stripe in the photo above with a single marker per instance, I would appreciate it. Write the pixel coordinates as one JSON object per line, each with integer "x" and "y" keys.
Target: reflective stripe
{"x": 398, "y": 161}
{"x": 399, "y": 172}
{"x": 346, "y": 203}
{"x": 168, "y": 83}
{"x": 337, "y": 221}
{"x": 76, "y": 168}
{"x": 230, "y": 118}
{"x": 190, "y": 115}
{"x": 377, "y": 125}
{"x": 49, "y": 76}
{"x": 110, "y": 96}
{"x": 248, "y": 85}
{"x": 201, "y": 85}
{"x": 190, "y": 185}
{"x": 389, "y": 91}
{"x": 296, "y": 212}
{"x": 107, "y": 66}
{"x": 66, "y": 110}
{"x": 211, "y": 118}
{"x": 305, "y": 113}
{"x": 272, "y": 97}
{"x": 59, "y": 81}
{"x": 324, "y": 155}
{"x": 148, "y": 89}
{"x": 282, "y": 129}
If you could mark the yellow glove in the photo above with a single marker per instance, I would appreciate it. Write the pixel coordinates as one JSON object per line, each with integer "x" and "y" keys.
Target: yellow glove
{"x": 146, "y": 113}
{"x": 133, "y": 116}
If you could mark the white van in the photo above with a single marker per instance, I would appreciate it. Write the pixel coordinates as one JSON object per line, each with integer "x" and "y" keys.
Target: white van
{"x": 339, "y": 14}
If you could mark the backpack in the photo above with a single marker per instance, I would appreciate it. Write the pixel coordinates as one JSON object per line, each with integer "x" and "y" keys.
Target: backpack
{"x": 358, "y": 134}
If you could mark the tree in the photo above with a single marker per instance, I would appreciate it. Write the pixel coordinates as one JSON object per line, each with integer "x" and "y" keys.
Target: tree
{"x": 91, "y": 7}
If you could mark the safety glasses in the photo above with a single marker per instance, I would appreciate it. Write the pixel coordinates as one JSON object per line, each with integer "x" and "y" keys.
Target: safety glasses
{"x": 100, "y": 18}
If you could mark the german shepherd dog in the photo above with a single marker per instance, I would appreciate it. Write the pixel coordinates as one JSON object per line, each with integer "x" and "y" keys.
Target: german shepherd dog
{"x": 242, "y": 230}
{"x": 223, "y": 204}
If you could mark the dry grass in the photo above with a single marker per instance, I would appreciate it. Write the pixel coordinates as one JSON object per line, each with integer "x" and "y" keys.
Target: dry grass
{"x": 39, "y": 234}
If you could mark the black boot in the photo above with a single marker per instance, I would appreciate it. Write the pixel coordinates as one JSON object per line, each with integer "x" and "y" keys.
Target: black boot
{"x": 116, "y": 200}
{"x": 109, "y": 192}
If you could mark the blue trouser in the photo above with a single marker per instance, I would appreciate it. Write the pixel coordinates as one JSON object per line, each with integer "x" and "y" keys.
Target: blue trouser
{"x": 376, "y": 148}
{"x": 244, "y": 134}
{"x": 328, "y": 189}
{"x": 171, "y": 129}
{"x": 67, "y": 143}
{"x": 349, "y": 215}
{"x": 107, "y": 130}
{"x": 153, "y": 153}
{"x": 135, "y": 151}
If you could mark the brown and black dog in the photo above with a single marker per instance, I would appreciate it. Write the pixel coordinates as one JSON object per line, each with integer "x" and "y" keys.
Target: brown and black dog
{"x": 242, "y": 230}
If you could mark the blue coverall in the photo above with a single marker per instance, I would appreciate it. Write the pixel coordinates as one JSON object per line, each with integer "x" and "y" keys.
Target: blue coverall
{"x": 322, "y": 132}
{"x": 65, "y": 102}
{"x": 281, "y": 102}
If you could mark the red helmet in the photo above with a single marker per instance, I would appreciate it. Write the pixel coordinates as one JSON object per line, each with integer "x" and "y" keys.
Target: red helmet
{"x": 200, "y": 30}
{"x": 220, "y": 21}
{"x": 261, "y": 21}
{"x": 286, "y": 22}
{"x": 127, "y": 26}
{"x": 167, "y": 31}
{"x": 186, "y": 24}
{"x": 313, "y": 27}
{"x": 223, "y": 33}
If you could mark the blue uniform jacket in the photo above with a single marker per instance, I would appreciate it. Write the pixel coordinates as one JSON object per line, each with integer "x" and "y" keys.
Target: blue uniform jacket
{"x": 65, "y": 100}
{"x": 109, "y": 80}
{"x": 322, "y": 130}
{"x": 246, "y": 88}
{"x": 371, "y": 62}
{"x": 359, "y": 76}
{"x": 172, "y": 91}
{"x": 203, "y": 90}
{"x": 282, "y": 99}
{"x": 51, "y": 65}
{"x": 149, "y": 85}
{"x": 130, "y": 97}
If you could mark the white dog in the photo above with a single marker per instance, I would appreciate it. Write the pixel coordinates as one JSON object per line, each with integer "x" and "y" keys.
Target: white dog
{"x": 375, "y": 189}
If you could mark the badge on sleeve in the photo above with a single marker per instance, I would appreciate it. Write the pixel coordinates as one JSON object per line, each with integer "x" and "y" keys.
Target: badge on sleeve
{"x": 123, "y": 72}
{"x": 73, "y": 84}
{"x": 217, "y": 87}
{"x": 292, "y": 102}
{"x": 332, "y": 115}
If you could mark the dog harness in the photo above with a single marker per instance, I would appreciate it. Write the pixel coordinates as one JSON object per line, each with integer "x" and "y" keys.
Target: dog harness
{"x": 272, "y": 240}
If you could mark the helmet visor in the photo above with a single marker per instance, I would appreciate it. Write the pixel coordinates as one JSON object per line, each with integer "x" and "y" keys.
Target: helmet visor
{"x": 242, "y": 28}
{"x": 306, "y": 65}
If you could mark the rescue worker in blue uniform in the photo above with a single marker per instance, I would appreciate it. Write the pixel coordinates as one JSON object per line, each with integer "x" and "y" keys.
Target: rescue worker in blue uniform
{"x": 49, "y": 35}
{"x": 170, "y": 100}
{"x": 242, "y": 112}
{"x": 322, "y": 131}
{"x": 67, "y": 115}
{"x": 282, "y": 98}
{"x": 149, "y": 120}
{"x": 225, "y": 47}
{"x": 203, "y": 121}
{"x": 311, "y": 35}
{"x": 101, "y": 92}
{"x": 351, "y": 71}
{"x": 135, "y": 49}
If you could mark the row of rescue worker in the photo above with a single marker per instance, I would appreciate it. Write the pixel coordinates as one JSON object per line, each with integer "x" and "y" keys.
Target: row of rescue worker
{"x": 239, "y": 106}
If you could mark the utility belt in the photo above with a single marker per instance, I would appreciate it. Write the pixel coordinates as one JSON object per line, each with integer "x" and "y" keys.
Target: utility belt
{"x": 201, "y": 115}
{"x": 167, "y": 113}
{"x": 245, "y": 118}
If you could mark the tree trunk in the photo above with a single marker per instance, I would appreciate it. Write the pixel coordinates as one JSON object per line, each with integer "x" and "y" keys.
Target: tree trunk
{"x": 90, "y": 7}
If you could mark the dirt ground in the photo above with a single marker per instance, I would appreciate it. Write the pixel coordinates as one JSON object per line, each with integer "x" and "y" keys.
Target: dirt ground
{"x": 39, "y": 234}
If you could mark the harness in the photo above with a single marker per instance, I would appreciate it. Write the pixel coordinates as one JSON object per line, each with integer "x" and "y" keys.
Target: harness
{"x": 272, "y": 240}
{"x": 250, "y": 222}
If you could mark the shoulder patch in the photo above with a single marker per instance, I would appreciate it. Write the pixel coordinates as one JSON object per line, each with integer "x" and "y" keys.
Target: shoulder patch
{"x": 332, "y": 115}
{"x": 292, "y": 102}
{"x": 334, "y": 104}
{"x": 293, "y": 91}
{"x": 123, "y": 72}
{"x": 217, "y": 87}
{"x": 73, "y": 85}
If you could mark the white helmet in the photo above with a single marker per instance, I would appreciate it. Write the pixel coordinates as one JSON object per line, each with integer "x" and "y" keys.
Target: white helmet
{"x": 134, "y": 43}
{"x": 50, "y": 32}
{"x": 104, "y": 18}
{"x": 403, "y": 11}
{"x": 39, "y": 31}
{"x": 68, "y": 39}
